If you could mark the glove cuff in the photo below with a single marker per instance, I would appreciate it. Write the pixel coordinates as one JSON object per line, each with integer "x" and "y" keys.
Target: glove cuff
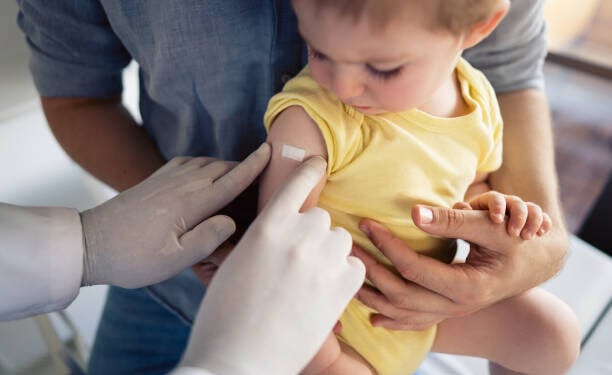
{"x": 86, "y": 278}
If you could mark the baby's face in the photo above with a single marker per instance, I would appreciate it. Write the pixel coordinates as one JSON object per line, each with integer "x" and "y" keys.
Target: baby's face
{"x": 391, "y": 69}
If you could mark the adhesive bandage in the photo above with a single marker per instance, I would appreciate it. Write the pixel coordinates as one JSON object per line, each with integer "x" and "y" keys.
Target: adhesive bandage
{"x": 292, "y": 152}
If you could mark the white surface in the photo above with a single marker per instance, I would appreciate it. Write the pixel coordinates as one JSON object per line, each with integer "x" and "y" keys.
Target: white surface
{"x": 595, "y": 358}
{"x": 585, "y": 283}
{"x": 14, "y": 94}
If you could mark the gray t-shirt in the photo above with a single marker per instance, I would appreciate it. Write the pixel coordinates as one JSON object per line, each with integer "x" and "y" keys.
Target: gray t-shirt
{"x": 512, "y": 57}
{"x": 208, "y": 68}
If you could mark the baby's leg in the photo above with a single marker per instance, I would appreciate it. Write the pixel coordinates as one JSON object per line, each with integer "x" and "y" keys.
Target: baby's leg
{"x": 337, "y": 358}
{"x": 532, "y": 333}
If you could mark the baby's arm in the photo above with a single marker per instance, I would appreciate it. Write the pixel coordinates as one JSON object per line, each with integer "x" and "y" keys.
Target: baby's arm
{"x": 294, "y": 128}
{"x": 525, "y": 219}
{"x": 479, "y": 186}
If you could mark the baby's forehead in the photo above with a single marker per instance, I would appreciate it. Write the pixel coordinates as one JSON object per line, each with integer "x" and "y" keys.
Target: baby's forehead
{"x": 347, "y": 41}
{"x": 376, "y": 13}
{"x": 451, "y": 15}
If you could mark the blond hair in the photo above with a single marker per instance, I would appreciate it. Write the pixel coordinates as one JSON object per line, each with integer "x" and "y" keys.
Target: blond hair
{"x": 453, "y": 15}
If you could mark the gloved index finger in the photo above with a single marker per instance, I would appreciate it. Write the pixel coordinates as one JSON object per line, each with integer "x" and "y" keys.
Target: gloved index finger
{"x": 291, "y": 196}
{"x": 242, "y": 175}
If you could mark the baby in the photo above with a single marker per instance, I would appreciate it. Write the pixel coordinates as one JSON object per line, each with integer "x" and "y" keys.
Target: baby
{"x": 403, "y": 120}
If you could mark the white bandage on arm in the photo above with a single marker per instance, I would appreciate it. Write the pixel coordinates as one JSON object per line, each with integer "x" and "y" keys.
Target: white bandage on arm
{"x": 292, "y": 152}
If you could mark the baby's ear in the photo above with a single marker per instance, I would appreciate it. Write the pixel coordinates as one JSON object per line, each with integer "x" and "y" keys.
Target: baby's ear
{"x": 482, "y": 29}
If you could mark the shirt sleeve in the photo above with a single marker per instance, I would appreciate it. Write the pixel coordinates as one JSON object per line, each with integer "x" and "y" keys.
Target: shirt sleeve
{"x": 512, "y": 57}
{"x": 341, "y": 140}
{"x": 41, "y": 259}
{"x": 74, "y": 51}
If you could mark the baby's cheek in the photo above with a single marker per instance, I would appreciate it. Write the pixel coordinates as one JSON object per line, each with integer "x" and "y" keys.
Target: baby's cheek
{"x": 320, "y": 73}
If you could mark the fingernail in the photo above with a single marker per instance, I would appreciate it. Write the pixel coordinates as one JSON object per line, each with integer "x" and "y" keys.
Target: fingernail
{"x": 364, "y": 229}
{"x": 426, "y": 215}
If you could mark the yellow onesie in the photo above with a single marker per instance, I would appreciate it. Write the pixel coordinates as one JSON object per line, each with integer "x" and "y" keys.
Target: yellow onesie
{"x": 379, "y": 167}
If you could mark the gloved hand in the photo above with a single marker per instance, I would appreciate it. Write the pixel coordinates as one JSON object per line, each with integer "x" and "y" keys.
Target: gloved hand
{"x": 161, "y": 226}
{"x": 279, "y": 293}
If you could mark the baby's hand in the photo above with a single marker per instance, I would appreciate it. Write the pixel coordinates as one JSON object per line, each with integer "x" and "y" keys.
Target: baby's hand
{"x": 207, "y": 267}
{"x": 525, "y": 219}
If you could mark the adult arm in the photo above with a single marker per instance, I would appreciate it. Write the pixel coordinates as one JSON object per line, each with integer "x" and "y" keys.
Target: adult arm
{"x": 165, "y": 222}
{"x": 102, "y": 137}
{"x": 529, "y": 172}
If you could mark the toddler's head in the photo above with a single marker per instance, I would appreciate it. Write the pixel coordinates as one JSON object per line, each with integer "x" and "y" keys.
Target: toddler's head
{"x": 391, "y": 55}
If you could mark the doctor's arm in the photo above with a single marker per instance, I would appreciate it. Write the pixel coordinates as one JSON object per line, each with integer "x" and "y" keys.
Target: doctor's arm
{"x": 142, "y": 236}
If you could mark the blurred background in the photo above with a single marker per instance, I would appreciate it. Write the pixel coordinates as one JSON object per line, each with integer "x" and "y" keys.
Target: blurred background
{"x": 36, "y": 171}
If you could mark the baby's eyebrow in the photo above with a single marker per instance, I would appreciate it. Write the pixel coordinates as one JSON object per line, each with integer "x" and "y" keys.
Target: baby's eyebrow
{"x": 395, "y": 61}
{"x": 392, "y": 60}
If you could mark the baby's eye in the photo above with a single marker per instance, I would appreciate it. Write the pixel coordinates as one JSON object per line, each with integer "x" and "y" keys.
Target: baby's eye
{"x": 383, "y": 74}
{"x": 316, "y": 54}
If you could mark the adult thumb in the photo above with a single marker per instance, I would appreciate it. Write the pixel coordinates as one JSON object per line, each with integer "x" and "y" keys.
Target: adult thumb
{"x": 206, "y": 237}
{"x": 469, "y": 225}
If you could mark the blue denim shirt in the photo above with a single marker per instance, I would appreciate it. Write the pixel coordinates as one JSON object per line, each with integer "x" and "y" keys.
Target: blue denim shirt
{"x": 208, "y": 68}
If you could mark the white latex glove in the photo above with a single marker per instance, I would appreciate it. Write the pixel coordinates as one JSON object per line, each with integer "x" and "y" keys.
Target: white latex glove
{"x": 279, "y": 293}
{"x": 161, "y": 226}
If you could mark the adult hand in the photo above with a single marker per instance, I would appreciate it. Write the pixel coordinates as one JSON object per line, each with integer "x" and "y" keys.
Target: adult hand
{"x": 161, "y": 226}
{"x": 428, "y": 291}
{"x": 280, "y": 291}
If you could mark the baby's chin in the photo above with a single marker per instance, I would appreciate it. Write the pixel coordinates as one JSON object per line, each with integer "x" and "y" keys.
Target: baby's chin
{"x": 374, "y": 111}
{"x": 369, "y": 110}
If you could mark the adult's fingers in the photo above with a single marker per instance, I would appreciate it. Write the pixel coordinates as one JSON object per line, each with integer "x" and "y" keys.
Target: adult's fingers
{"x": 418, "y": 322}
{"x": 172, "y": 164}
{"x": 291, "y": 196}
{"x": 207, "y": 236}
{"x": 422, "y": 270}
{"x": 200, "y": 197}
{"x": 235, "y": 181}
{"x": 356, "y": 273}
{"x": 211, "y": 168}
{"x": 350, "y": 280}
{"x": 470, "y": 225}
{"x": 398, "y": 317}
{"x": 399, "y": 291}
